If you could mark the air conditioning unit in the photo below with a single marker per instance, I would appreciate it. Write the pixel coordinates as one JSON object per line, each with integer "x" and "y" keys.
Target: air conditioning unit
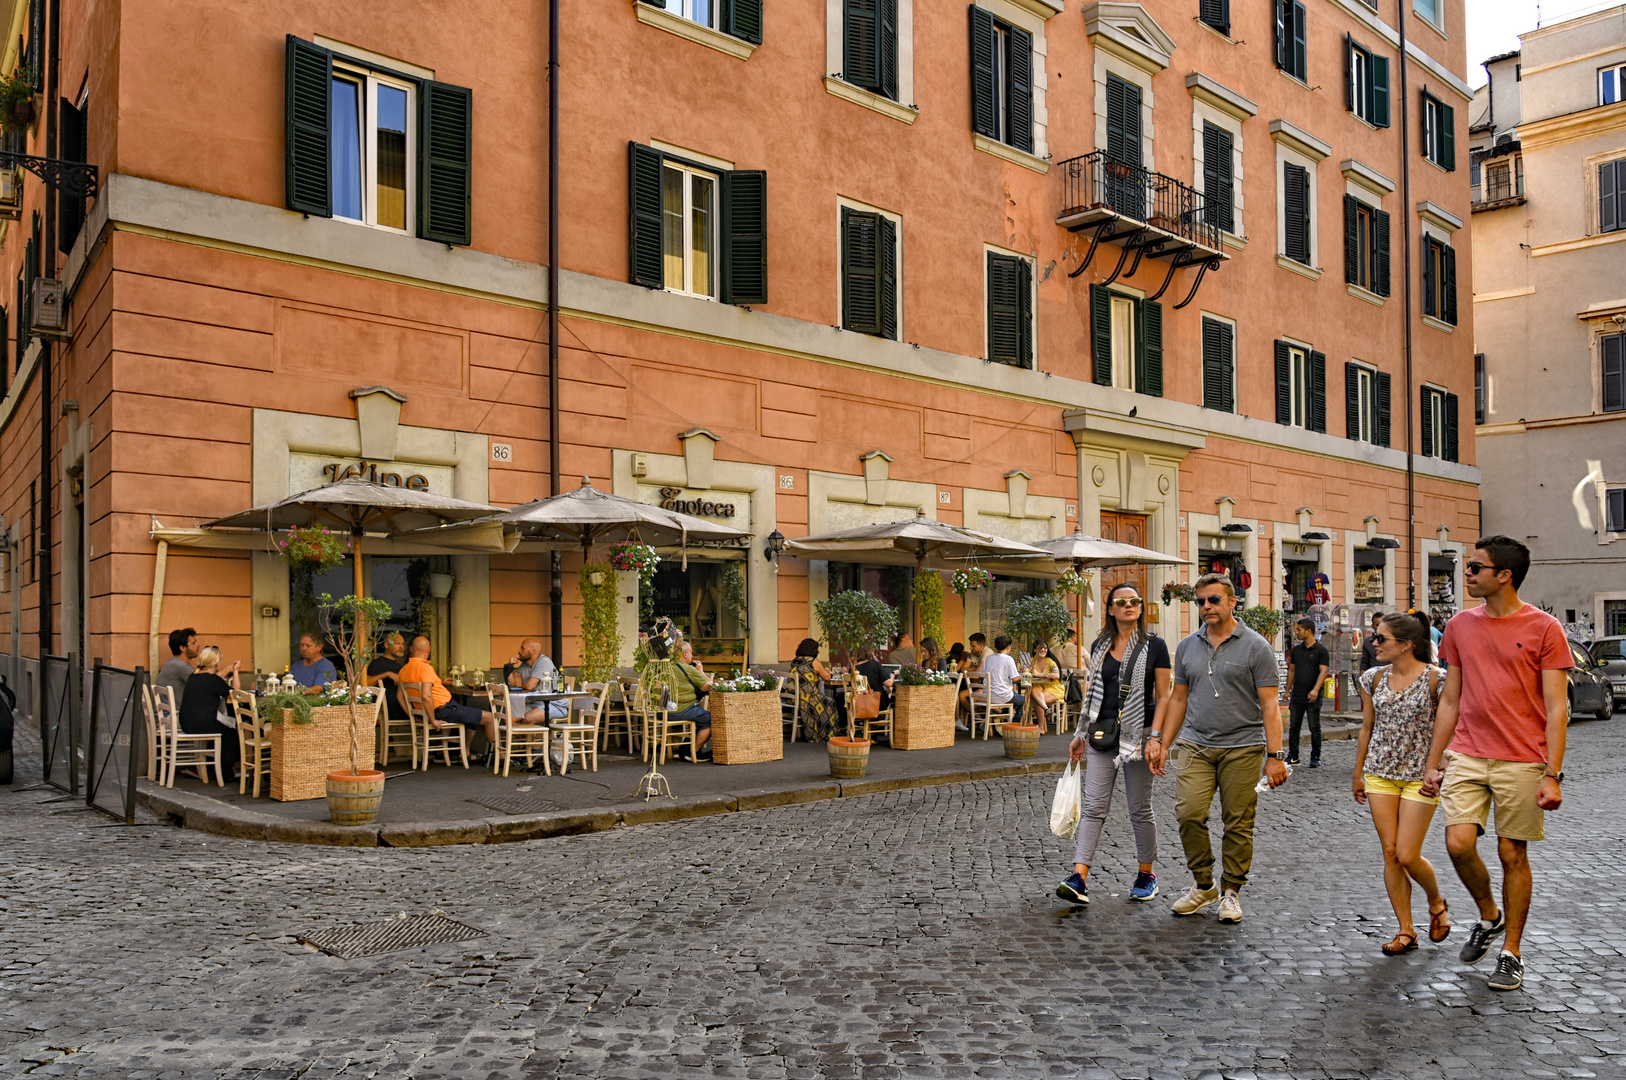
{"x": 47, "y": 309}
{"x": 11, "y": 193}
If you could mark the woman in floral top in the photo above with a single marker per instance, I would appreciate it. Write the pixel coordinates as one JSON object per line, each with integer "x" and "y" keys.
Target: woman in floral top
{"x": 1398, "y": 699}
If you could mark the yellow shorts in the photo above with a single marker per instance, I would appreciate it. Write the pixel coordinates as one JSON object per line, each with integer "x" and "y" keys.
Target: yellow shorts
{"x": 1411, "y": 790}
{"x": 1472, "y": 784}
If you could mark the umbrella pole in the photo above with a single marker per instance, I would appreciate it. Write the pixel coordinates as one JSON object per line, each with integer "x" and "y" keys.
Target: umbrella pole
{"x": 1078, "y": 636}
{"x": 920, "y": 568}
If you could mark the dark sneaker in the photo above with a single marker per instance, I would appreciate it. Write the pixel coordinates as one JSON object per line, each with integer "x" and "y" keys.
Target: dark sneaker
{"x": 1292, "y": 761}
{"x": 1073, "y": 890}
{"x": 1315, "y": 763}
{"x": 1479, "y": 940}
{"x": 1509, "y": 973}
{"x": 1145, "y": 887}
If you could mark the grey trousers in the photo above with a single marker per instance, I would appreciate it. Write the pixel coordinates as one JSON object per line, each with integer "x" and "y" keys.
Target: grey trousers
{"x": 1100, "y": 775}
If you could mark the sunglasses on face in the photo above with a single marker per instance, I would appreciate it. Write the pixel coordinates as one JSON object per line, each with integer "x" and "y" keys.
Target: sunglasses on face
{"x": 1474, "y": 568}
{"x": 1213, "y": 600}
{"x": 1127, "y": 601}
{"x": 1381, "y": 639}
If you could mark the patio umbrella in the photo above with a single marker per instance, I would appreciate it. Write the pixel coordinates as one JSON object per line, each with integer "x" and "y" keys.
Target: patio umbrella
{"x": 917, "y": 542}
{"x": 1089, "y": 552}
{"x": 357, "y": 507}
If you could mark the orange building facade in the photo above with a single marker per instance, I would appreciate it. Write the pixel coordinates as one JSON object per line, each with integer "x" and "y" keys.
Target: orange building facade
{"x": 1027, "y": 265}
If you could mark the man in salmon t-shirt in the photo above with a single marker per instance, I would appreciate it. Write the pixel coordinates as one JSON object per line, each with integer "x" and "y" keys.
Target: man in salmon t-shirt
{"x": 1500, "y": 731}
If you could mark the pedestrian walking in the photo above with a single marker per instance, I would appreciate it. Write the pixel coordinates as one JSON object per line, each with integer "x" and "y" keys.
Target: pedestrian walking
{"x": 1499, "y": 740}
{"x": 1307, "y": 663}
{"x": 1224, "y": 701}
{"x": 1129, "y": 691}
{"x": 1398, "y": 702}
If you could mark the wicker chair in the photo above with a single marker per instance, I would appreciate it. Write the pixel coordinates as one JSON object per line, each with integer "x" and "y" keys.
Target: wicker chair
{"x": 516, "y": 736}
{"x": 183, "y": 749}
{"x": 445, "y": 739}
{"x": 253, "y": 741}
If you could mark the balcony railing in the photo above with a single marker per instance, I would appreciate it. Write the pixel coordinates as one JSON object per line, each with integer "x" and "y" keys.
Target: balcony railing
{"x": 1096, "y": 188}
{"x": 1499, "y": 187}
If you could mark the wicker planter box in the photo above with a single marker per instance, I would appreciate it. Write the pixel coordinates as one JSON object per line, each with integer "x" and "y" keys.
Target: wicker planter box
{"x": 746, "y": 728}
{"x": 303, "y": 754}
{"x": 923, "y": 717}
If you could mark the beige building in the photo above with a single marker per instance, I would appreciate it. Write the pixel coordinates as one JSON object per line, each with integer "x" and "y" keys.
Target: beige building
{"x": 1548, "y": 159}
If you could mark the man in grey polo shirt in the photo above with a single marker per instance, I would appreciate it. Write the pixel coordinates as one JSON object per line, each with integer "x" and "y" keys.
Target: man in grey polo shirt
{"x": 1224, "y": 704}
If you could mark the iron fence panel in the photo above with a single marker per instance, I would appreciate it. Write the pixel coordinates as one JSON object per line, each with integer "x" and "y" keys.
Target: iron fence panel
{"x": 116, "y": 743}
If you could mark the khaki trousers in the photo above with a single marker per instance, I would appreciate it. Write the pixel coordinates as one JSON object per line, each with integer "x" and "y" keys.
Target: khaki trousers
{"x": 1198, "y": 772}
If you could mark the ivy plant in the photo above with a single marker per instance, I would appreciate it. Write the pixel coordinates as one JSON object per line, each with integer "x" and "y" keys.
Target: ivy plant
{"x": 928, "y": 590}
{"x": 600, "y": 635}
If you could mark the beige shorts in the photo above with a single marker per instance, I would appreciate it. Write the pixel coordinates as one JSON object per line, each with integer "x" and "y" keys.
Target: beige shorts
{"x": 1472, "y": 784}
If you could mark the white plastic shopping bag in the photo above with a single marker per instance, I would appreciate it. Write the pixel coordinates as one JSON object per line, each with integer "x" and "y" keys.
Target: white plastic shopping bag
{"x": 1064, "y": 807}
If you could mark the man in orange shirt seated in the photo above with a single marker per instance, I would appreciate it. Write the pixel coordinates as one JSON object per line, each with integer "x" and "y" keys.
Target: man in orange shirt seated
{"x": 443, "y": 710}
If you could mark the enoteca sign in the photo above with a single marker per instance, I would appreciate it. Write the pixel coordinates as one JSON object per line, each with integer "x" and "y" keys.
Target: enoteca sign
{"x": 729, "y": 507}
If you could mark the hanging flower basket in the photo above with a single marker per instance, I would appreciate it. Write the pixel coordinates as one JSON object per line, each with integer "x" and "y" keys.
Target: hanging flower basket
{"x": 973, "y": 578}
{"x": 322, "y": 547}
{"x": 1073, "y": 583}
{"x": 1178, "y": 590}
{"x": 633, "y": 555}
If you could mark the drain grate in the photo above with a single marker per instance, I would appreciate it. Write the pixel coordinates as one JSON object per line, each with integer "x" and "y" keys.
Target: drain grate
{"x": 368, "y": 939}
{"x": 516, "y": 804}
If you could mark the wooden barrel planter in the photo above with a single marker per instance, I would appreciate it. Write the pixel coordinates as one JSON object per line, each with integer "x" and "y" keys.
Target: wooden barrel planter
{"x": 353, "y": 798}
{"x": 848, "y": 757}
{"x": 747, "y": 727}
{"x": 923, "y": 717}
{"x": 1021, "y": 740}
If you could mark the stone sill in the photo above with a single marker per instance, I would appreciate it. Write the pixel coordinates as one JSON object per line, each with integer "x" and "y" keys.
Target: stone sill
{"x": 1010, "y": 153}
{"x": 1311, "y": 272}
{"x": 868, "y": 99}
{"x": 1364, "y": 294}
{"x": 1439, "y": 324}
{"x": 662, "y": 19}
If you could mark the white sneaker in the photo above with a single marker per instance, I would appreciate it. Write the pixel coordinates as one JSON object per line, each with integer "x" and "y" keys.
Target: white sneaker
{"x": 1195, "y": 900}
{"x": 1230, "y": 907}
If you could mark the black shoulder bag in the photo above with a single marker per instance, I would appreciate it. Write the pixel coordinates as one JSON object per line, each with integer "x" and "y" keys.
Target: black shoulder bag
{"x": 1103, "y": 733}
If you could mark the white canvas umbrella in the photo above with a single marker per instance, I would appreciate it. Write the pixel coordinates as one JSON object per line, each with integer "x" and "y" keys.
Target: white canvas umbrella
{"x": 1087, "y": 552}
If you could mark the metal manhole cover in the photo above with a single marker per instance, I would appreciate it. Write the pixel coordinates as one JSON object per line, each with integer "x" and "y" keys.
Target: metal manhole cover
{"x": 516, "y": 804}
{"x": 367, "y": 939}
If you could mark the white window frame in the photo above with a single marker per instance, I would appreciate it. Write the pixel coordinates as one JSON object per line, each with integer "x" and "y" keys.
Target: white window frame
{"x": 897, "y": 263}
{"x": 1225, "y": 320}
{"x": 1434, "y": 435}
{"x": 689, "y": 172}
{"x": 1123, "y": 344}
{"x": 1298, "y": 385}
{"x": 1431, "y": 128}
{"x": 1032, "y": 264}
{"x": 1437, "y": 19}
{"x": 834, "y": 50}
{"x": 369, "y": 81}
{"x": 1287, "y": 156}
{"x": 1204, "y": 109}
{"x": 1366, "y": 402}
{"x": 1002, "y": 63}
{"x": 684, "y": 9}
{"x": 1615, "y": 77}
{"x": 1105, "y": 64}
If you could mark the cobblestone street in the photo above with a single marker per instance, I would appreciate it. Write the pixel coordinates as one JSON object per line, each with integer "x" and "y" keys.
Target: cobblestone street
{"x": 912, "y": 934}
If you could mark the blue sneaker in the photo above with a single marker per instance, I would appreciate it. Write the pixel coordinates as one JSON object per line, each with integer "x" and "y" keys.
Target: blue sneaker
{"x": 1145, "y": 887}
{"x": 1073, "y": 890}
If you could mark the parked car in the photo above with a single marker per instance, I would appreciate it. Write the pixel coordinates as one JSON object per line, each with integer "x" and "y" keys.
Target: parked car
{"x": 1611, "y": 653}
{"x": 1590, "y": 688}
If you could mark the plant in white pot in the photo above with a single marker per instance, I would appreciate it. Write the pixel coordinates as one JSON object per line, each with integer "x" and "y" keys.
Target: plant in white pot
{"x": 853, "y": 621}
{"x": 353, "y": 797}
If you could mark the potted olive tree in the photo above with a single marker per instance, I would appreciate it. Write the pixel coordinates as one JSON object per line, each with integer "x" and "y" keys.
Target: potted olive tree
{"x": 1033, "y": 620}
{"x": 353, "y": 797}
{"x": 853, "y": 621}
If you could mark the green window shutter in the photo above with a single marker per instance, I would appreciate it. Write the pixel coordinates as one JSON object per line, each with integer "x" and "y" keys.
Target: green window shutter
{"x": 1448, "y": 136}
{"x": 1024, "y": 311}
{"x": 1296, "y": 207}
{"x": 1151, "y": 348}
{"x": 308, "y": 119}
{"x": 36, "y": 43}
{"x": 887, "y": 48}
{"x": 25, "y": 298}
{"x": 22, "y": 321}
{"x": 1284, "y": 384}
{"x": 982, "y": 73}
{"x": 445, "y": 178}
{"x": 1020, "y": 91}
{"x": 887, "y": 232}
{"x": 1227, "y": 366}
{"x": 741, "y": 19}
{"x": 1352, "y": 400}
{"x": 1284, "y": 34}
{"x": 1450, "y": 427}
{"x": 5, "y": 359}
{"x": 1380, "y": 252}
{"x": 1352, "y": 247}
{"x": 1317, "y": 412}
{"x": 1381, "y": 428}
{"x": 1448, "y": 286}
{"x": 745, "y": 237}
{"x": 860, "y": 277}
{"x": 1213, "y": 360}
{"x": 1427, "y": 412}
{"x": 644, "y": 228}
{"x": 1429, "y": 305}
{"x": 1349, "y": 73}
{"x": 1123, "y": 121}
{"x": 1216, "y": 13}
{"x": 860, "y": 44}
{"x": 1300, "y": 67}
{"x": 1005, "y": 308}
{"x": 71, "y": 143}
{"x": 1218, "y": 177}
{"x": 1101, "y": 334}
{"x": 1379, "y": 111}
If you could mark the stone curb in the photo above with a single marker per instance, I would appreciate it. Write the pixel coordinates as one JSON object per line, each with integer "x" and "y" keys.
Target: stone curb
{"x": 194, "y": 811}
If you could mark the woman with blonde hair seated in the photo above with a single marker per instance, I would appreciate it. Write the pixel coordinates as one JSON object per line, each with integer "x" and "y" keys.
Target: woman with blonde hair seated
{"x": 200, "y": 704}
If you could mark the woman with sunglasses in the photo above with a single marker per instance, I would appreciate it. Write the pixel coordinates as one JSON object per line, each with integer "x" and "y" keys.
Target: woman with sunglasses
{"x": 1129, "y": 684}
{"x": 1398, "y": 700}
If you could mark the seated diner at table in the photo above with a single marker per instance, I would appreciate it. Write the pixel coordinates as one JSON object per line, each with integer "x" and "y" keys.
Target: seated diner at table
{"x": 312, "y": 670}
{"x": 1048, "y": 686}
{"x": 384, "y": 671}
{"x": 444, "y": 712}
{"x": 818, "y": 707}
{"x": 875, "y": 676}
{"x": 930, "y": 658}
{"x": 903, "y": 651}
{"x": 687, "y": 690}
{"x": 200, "y": 703}
{"x": 955, "y": 657}
{"x": 971, "y": 663}
{"x": 1002, "y": 678}
{"x": 524, "y": 672}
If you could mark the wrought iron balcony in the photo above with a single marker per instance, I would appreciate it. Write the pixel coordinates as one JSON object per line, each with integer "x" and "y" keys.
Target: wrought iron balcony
{"x": 1149, "y": 214}
{"x": 1498, "y": 189}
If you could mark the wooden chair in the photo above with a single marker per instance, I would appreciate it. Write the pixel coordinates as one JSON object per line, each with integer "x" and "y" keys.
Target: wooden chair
{"x": 988, "y": 715}
{"x": 156, "y": 751}
{"x": 183, "y": 749}
{"x": 516, "y": 735}
{"x": 394, "y": 732}
{"x": 445, "y": 739}
{"x": 617, "y": 715}
{"x": 663, "y": 731}
{"x": 790, "y": 703}
{"x": 579, "y": 733}
{"x": 253, "y": 741}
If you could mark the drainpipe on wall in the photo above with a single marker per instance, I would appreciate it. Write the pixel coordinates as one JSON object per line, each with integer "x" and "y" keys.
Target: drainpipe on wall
{"x": 1411, "y": 389}
{"x": 556, "y": 596}
{"x": 47, "y": 346}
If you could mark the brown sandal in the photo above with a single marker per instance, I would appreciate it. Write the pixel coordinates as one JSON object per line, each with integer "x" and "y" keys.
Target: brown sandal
{"x": 1439, "y": 922}
{"x": 1403, "y": 942}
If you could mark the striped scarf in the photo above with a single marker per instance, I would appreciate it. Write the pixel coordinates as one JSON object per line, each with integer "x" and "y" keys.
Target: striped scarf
{"x": 1132, "y": 717}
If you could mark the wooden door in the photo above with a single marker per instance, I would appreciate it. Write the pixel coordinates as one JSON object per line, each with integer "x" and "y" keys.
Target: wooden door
{"x": 1126, "y": 529}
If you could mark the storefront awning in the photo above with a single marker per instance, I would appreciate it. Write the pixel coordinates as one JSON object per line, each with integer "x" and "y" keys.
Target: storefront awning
{"x": 486, "y": 538}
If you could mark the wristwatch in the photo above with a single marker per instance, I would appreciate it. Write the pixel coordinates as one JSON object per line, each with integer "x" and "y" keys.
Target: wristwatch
{"x": 1559, "y": 775}
{"x": 1280, "y": 755}
{"x": 1158, "y": 735}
